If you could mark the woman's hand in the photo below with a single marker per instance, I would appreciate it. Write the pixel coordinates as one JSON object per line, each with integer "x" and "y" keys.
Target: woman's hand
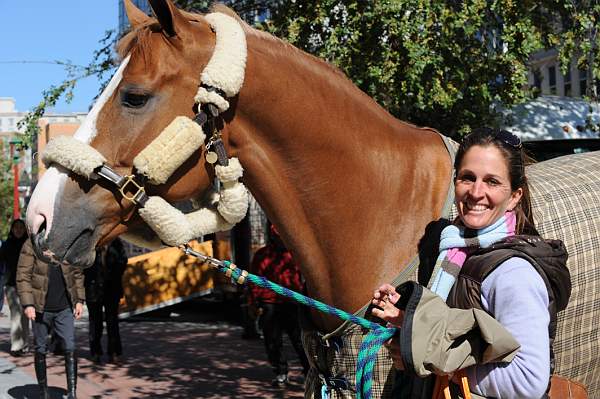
{"x": 384, "y": 299}
{"x": 30, "y": 312}
{"x": 78, "y": 310}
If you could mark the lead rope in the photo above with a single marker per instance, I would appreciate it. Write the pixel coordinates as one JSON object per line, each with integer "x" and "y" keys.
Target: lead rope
{"x": 370, "y": 345}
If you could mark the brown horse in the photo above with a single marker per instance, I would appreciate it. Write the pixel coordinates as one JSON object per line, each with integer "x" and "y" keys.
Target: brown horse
{"x": 350, "y": 188}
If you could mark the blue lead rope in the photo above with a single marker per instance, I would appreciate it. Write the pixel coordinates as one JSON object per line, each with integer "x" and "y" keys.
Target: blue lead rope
{"x": 370, "y": 345}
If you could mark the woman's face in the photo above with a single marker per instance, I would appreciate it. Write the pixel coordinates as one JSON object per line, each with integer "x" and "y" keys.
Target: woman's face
{"x": 482, "y": 189}
{"x": 18, "y": 229}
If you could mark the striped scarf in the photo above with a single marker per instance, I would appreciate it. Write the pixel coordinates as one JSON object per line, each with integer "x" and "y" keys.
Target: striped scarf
{"x": 455, "y": 243}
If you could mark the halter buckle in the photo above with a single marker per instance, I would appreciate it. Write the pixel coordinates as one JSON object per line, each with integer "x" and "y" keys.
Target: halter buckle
{"x": 139, "y": 190}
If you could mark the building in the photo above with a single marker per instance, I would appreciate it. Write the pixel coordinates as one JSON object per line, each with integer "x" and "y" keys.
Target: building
{"x": 123, "y": 21}
{"x": 545, "y": 75}
{"x": 28, "y": 162}
{"x": 560, "y": 110}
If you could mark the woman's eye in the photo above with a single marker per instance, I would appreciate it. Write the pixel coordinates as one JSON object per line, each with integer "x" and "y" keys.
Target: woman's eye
{"x": 466, "y": 178}
{"x": 134, "y": 100}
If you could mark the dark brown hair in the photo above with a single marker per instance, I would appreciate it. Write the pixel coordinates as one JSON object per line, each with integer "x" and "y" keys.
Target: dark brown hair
{"x": 511, "y": 148}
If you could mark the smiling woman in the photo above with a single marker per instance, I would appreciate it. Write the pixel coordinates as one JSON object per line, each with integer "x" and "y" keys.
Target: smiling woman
{"x": 492, "y": 260}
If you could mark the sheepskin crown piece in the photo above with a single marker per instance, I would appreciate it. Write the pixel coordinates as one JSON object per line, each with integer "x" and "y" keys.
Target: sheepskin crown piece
{"x": 227, "y": 66}
{"x": 176, "y": 143}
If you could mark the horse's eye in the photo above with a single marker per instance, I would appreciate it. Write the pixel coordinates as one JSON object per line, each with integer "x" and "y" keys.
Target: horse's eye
{"x": 134, "y": 100}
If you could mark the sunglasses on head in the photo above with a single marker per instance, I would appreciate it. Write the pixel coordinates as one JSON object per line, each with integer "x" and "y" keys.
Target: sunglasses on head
{"x": 508, "y": 138}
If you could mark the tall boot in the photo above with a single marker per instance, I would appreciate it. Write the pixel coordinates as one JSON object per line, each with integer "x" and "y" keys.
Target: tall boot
{"x": 40, "y": 374}
{"x": 71, "y": 371}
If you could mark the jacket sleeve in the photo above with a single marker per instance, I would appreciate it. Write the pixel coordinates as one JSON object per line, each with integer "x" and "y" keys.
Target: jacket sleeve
{"x": 78, "y": 277}
{"x": 437, "y": 339}
{"x": 25, "y": 274}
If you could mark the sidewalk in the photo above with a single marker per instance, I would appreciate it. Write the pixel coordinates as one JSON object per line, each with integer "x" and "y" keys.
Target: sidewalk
{"x": 162, "y": 359}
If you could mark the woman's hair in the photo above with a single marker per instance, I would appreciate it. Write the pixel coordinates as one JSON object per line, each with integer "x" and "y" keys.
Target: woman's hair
{"x": 511, "y": 148}
{"x": 16, "y": 221}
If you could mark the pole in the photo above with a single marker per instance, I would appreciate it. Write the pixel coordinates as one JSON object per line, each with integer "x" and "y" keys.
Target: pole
{"x": 16, "y": 205}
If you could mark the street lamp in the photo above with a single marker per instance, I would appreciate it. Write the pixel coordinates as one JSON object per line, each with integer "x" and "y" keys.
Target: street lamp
{"x": 14, "y": 156}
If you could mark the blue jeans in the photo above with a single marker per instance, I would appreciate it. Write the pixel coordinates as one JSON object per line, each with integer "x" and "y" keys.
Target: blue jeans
{"x": 62, "y": 322}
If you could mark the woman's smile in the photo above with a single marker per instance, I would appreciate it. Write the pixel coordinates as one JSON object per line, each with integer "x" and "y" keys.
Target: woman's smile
{"x": 482, "y": 189}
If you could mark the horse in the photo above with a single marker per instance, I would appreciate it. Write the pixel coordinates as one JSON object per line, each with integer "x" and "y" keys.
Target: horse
{"x": 350, "y": 188}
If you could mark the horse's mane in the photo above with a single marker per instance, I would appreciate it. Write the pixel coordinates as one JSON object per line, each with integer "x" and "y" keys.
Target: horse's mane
{"x": 138, "y": 39}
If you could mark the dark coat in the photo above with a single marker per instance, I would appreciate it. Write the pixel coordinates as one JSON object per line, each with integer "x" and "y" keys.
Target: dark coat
{"x": 9, "y": 256}
{"x": 32, "y": 280}
{"x": 103, "y": 280}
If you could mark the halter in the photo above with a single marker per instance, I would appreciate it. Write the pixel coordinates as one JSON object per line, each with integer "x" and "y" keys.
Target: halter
{"x": 222, "y": 78}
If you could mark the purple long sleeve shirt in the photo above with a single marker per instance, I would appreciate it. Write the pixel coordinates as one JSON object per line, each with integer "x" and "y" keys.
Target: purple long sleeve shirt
{"x": 516, "y": 296}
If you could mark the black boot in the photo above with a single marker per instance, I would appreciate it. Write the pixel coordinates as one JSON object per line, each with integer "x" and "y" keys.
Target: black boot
{"x": 71, "y": 370}
{"x": 40, "y": 374}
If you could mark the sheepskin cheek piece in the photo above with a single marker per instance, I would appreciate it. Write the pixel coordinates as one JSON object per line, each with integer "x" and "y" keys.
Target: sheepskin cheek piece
{"x": 176, "y": 228}
{"x": 180, "y": 139}
{"x": 73, "y": 155}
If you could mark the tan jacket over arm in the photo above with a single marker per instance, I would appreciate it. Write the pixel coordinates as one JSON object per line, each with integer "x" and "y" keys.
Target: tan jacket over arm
{"x": 437, "y": 339}
{"x": 25, "y": 275}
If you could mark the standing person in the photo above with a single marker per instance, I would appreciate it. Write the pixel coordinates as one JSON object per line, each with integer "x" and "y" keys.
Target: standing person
{"x": 502, "y": 283}
{"x": 104, "y": 290}
{"x": 9, "y": 255}
{"x": 52, "y": 296}
{"x": 275, "y": 263}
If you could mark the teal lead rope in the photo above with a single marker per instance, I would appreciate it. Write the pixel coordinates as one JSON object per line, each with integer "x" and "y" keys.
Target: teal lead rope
{"x": 370, "y": 345}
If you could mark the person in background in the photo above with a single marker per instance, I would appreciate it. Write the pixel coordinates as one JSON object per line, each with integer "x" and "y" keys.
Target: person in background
{"x": 52, "y": 296}
{"x": 9, "y": 255}
{"x": 275, "y": 263}
{"x": 2, "y": 272}
{"x": 104, "y": 290}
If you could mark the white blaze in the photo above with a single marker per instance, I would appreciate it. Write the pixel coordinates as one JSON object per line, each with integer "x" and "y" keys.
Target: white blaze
{"x": 41, "y": 205}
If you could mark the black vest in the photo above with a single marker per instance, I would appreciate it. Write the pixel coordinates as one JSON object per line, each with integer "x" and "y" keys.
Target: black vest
{"x": 548, "y": 257}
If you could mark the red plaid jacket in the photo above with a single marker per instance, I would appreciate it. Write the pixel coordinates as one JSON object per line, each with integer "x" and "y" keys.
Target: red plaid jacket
{"x": 275, "y": 264}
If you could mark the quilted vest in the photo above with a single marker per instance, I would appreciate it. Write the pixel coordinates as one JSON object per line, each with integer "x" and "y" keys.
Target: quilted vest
{"x": 548, "y": 257}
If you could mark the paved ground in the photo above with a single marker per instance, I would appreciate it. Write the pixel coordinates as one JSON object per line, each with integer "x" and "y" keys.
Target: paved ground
{"x": 194, "y": 354}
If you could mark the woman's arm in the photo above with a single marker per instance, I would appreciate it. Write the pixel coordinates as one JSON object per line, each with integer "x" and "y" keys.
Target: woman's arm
{"x": 517, "y": 297}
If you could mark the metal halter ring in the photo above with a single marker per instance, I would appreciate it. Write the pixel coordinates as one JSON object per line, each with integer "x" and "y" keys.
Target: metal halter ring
{"x": 135, "y": 198}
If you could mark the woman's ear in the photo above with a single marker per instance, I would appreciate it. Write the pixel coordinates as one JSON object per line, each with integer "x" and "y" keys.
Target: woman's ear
{"x": 515, "y": 197}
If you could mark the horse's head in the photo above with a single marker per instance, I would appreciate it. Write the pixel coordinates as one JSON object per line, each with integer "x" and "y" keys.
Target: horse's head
{"x": 68, "y": 215}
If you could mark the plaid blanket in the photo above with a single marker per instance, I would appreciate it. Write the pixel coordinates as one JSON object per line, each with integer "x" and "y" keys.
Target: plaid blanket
{"x": 566, "y": 202}
{"x": 339, "y": 360}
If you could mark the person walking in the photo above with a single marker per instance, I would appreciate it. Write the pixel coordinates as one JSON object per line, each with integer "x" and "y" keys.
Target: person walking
{"x": 9, "y": 255}
{"x": 104, "y": 290}
{"x": 275, "y": 263}
{"x": 52, "y": 296}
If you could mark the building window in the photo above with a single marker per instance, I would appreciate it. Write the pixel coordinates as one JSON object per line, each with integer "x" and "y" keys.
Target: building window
{"x": 568, "y": 90}
{"x": 552, "y": 79}
{"x": 537, "y": 80}
{"x": 582, "y": 82}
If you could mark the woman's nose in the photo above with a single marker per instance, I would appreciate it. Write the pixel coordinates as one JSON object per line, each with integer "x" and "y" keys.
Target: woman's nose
{"x": 477, "y": 189}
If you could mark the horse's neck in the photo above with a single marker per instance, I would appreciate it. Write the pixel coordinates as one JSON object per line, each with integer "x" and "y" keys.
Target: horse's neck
{"x": 349, "y": 187}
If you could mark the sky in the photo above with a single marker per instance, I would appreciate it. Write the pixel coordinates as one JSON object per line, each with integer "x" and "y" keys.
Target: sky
{"x": 50, "y": 30}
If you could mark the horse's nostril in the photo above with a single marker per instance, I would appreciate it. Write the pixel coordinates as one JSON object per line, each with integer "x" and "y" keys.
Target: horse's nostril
{"x": 38, "y": 224}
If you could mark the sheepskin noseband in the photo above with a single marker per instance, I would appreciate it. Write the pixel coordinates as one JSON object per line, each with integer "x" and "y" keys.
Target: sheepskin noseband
{"x": 224, "y": 74}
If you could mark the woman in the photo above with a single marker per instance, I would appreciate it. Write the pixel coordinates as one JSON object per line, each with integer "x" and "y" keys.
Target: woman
{"x": 502, "y": 285}
{"x": 9, "y": 254}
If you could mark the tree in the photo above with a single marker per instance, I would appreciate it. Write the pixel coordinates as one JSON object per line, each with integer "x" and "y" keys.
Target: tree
{"x": 444, "y": 64}
{"x": 576, "y": 36}
{"x": 6, "y": 191}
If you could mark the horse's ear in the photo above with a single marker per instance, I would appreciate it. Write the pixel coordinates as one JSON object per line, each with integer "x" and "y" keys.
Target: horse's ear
{"x": 135, "y": 15}
{"x": 169, "y": 17}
